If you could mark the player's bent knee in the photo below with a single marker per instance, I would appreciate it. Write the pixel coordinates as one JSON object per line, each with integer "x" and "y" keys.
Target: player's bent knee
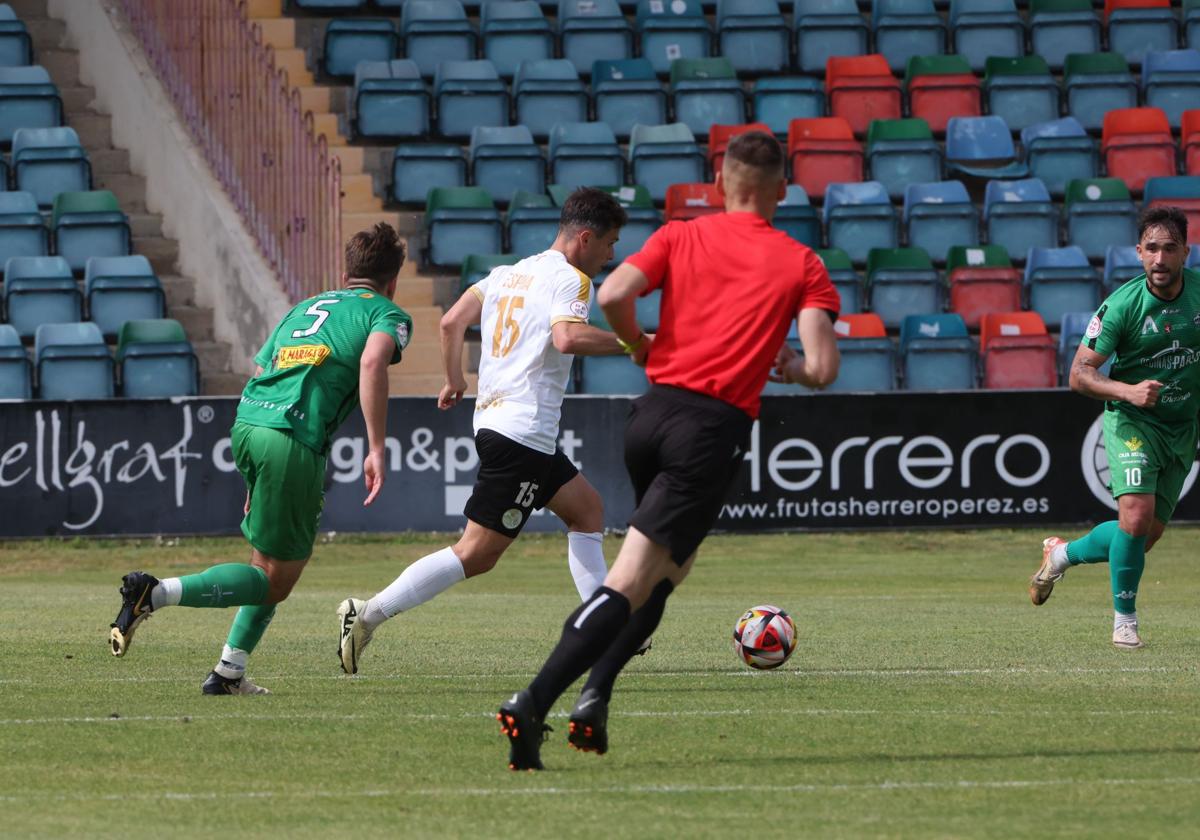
{"x": 478, "y": 563}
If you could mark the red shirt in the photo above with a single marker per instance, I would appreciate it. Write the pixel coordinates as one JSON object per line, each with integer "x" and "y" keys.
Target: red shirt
{"x": 731, "y": 286}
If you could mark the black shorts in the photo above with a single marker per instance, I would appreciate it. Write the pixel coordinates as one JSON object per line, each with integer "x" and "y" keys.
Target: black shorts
{"x": 513, "y": 480}
{"x": 682, "y": 451}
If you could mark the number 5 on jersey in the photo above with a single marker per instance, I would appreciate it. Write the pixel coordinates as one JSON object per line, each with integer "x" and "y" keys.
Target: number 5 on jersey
{"x": 506, "y": 324}
{"x": 317, "y": 312}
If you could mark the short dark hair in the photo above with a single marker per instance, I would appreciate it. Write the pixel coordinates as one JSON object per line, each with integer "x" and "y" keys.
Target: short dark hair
{"x": 758, "y": 150}
{"x": 1172, "y": 219}
{"x": 375, "y": 255}
{"x": 592, "y": 209}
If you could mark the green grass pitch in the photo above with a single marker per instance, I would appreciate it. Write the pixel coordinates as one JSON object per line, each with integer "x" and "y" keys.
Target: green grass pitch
{"x": 927, "y": 698}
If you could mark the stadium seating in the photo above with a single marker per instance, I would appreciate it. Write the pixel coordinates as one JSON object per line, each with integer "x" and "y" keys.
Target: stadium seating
{"x": 1059, "y": 151}
{"x": 548, "y": 92}
{"x": 753, "y": 35}
{"x": 16, "y": 374}
{"x": 860, "y": 89}
{"x": 1060, "y": 280}
{"x": 22, "y": 231}
{"x": 902, "y": 282}
{"x": 435, "y": 31}
{"x": 1171, "y": 81}
{"x": 89, "y": 224}
{"x": 868, "y": 355}
{"x": 1016, "y": 351}
{"x": 40, "y": 290}
{"x": 859, "y": 217}
{"x": 468, "y": 93}
{"x": 461, "y": 221}
{"x": 1021, "y": 91}
{"x": 936, "y": 354}
{"x": 826, "y": 28}
{"x": 940, "y": 87}
{"x": 1099, "y": 213}
{"x": 982, "y": 279}
{"x": 119, "y": 289}
{"x": 690, "y": 201}
{"x": 418, "y": 168}
{"x": 505, "y": 159}
{"x": 907, "y": 28}
{"x": 1019, "y": 215}
{"x": 1058, "y": 28}
{"x": 796, "y": 217}
{"x": 986, "y": 28}
{"x": 1182, "y": 191}
{"x": 390, "y": 100}
{"x": 611, "y": 375}
{"x": 939, "y": 215}
{"x": 902, "y": 152}
{"x": 670, "y": 30}
{"x": 514, "y": 31}
{"x": 585, "y": 154}
{"x": 350, "y": 40}
{"x": 845, "y": 279}
{"x": 47, "y": 161}
{"x": 1096, "y": 83}
{"x": 1138, "y": 26}
{"x": 477, "y": 266}
{"x": 1191, "y": 23}
{"x": 1074, "y": 325}
{"x": 1121, "y": 264}
{"x": 823, "y": 151}
{"x": 156, "y": 360}
{"x": 719, "y": 137}
{"x": 1136, "y": 144}
{"x": 981, "y": 147}
{"x": 16, "y": 47}
{"x": 780, "y": 99}
{"x": 706, "y": 91}
{"x": 72, "y": 362}
{"x": 593, "y": 30}
{"x": 648, "y": 308}
{"x": 28, "y": 99}
{"x": 661, "y": 155}
{"x": 628, "y": 93}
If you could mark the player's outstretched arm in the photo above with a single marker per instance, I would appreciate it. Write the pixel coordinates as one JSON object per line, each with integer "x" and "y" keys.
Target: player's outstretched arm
{"x": 616, "y": 297}
{"x": 373, "y": 394}
{"x": 818, "y": 367}
{"x": 1087, "y": 379}
{"x": 584, "y": 339}
{"x": 466, "y": 312}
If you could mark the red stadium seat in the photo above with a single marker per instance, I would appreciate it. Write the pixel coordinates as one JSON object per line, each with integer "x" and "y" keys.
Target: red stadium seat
{"x": 974, "y": 292}
{"x": 861, "y": 88}
{"x": 1016, "y": 351}
{"x": 1189, "y": 139}
{"x": 864, "y": 325}
{"x": 1136, "y": 144}
{"x": 1111, "y": 6}
{"x": 823, "y": 151}
{"x": 941, "y": 87}
{"x": 687, "y": 201}
{"x": 720, "y": 135}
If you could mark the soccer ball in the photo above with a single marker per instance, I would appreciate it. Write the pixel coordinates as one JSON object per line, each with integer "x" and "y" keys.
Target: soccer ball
{"x": 764, "y": 637}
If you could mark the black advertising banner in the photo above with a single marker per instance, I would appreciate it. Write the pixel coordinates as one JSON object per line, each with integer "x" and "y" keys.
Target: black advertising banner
{"x": 823, "y": 462}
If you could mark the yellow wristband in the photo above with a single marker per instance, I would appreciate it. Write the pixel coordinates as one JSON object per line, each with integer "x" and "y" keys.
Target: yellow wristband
{"x": 630, "y": 349}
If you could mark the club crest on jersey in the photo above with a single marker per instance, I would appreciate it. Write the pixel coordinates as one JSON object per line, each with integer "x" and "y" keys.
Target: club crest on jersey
{"x": 402, "y": 335}
{"x": 1133, "y": 444}
{"x": 511, "y": 518}
{"x": 301, "y": 354}
{"x": 1094, "y": 328}
{"x": 579, "y": 309}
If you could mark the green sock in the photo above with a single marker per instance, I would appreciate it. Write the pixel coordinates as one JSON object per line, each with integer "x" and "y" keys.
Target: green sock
{"x": 226, "y": 585}
{"x": 249, "y": 625}
{"x": 1125, "y": 566}
{"x": 1094, "y": 546}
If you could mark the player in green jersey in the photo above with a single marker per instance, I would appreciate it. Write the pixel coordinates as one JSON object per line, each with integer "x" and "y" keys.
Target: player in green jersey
{"x": 328, "y": 353}
{"x": 1151, "y": 329}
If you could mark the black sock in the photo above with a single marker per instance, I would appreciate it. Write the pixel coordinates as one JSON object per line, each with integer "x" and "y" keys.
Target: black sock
{"x": 641, "y": 626}
{"x": 586, "y": 634}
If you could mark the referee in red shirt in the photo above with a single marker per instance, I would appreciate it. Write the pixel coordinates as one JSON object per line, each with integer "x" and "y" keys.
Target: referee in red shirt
{"x": 731, "y": 286}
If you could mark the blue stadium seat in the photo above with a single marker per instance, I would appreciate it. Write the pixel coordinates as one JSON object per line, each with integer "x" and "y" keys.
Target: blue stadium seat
{"x": 548, "y": 92}
{"x": 902, "y": 152}
{"x": 1059, "y": 151}
{"x": 1074, "y": 326}
{"x": 938, "y": 216}
{"x": 16, "y": 47}
{"x": 1191, "y": 23}
{"x": 612, "y": 375}
{"x": 661, "y": 155}
{"x": 1122, "y": 264}
{"x": 648, "y": 308}
{"x": 1100, "y": 213}
{"x": 982, "y": 147}
{"x": 1133, "y": 32}
{"x": 868, "y": 364}
{"x": 936, "y": 354}
{"x": 798, "y": 218}
{"x": 390, "y": 100}
{"x": 859, "y": 217}
{"x": 461, "y": 221}
{"x": 780, "y": 99}
{"x": 1019, "y": 215}
{"x": 1171, "y": 81}
{"x": 89, "y": 224}
{"x": 706, "y": 92}
{"x": 593, "y": 30}
{"x": 902, "y": 282}
{"x": 469, "y": 93}
{"x": 1096, "y": 84}
{"x": 504, "y": 159}
{"x": 532, "y": 223}
{"x": 1060, "y": 280}
{"x": 671, "y": 29}
{"x": 73, "y": 363}
{"x": 585, "y": 154}
{"x": 16, "y": 374}
{"x": 22, "y": 230}
{"x": 47, "y": 161}
{"x": 156, "y": 360}
{"x": 120, "y": 289}
{"x": 986, "y": 28}
{"x": 418, "y": 168}
{"x": 351, "y": 40}
{"x": 515, "y": 31}
{"x": 435, "y": 31}
{"x": 1058, "y": 28}
{"x": 28, "y": 99}
{"x": 1021, "y": 91}
{"x": 753, "y": 35}
{"x": 40, "y": 290}
{"x": 844, "y": 278}
{"x": 826, "y": 28}
{"x": 628, "y": 93}
{"x": 907, "y": 28}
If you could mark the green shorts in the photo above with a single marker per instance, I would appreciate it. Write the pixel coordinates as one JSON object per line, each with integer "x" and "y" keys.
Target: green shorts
{"x": 286, "y": 483}
{"x": 1141, "y": 459}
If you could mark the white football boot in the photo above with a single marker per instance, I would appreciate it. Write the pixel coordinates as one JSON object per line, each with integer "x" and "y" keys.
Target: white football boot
{"x": 354, "y": 635}
{"x": 1125, "y": 636}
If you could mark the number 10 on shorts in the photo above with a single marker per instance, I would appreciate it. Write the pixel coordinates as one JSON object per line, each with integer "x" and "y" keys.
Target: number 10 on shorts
{"x": 1133, "y": 476}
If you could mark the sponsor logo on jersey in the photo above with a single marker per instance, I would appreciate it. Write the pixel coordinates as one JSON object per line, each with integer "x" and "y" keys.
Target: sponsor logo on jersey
{"x": 402, "y": 335}
{"x": 1174, "y": 357}
{"x": 1094, "y": 328}
{"x": 1196, "y": 319}
{"x": 302, "y": 354}
{"x": 1148, "y": 326}
{"x": 1133, "y": 444}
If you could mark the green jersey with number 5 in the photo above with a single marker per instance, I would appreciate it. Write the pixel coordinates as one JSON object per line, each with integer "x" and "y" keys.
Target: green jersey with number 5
{"x": 310, "y": 363}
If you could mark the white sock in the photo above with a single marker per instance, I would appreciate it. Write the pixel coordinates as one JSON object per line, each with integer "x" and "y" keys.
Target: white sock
{"x": 1058, "y": 558}
{"x": 585, "y": 556}
{"x": 420, "y": 582}
{"x": 1124, "y": 618}
{"x": 167, "y": 593}
{"x": 233, "y": 663}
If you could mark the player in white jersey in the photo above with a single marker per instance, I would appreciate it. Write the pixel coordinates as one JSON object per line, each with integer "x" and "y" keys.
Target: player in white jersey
{"x": 534, "y": 319}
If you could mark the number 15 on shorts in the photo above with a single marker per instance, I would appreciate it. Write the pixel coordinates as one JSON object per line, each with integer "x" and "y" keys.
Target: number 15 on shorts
{"x": 528, "y": 492}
